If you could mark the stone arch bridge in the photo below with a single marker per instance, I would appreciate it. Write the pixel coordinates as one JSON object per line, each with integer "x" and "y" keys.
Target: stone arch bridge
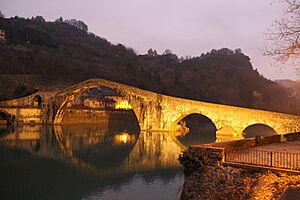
{"x": 157, "y": 112}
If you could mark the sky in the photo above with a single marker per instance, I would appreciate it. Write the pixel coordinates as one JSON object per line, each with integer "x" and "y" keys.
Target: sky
{"x": 187, "y": 27}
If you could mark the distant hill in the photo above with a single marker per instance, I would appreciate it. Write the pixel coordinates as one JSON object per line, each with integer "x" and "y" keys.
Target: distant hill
{"x": 40, "y": 54}
{"x": 292, "y": 86}
{"x": 288, "y": 83}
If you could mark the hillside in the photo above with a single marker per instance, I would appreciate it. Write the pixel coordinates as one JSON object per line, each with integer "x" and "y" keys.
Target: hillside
{"x": 40, "y": 54}
{"x": 293, "y": 87}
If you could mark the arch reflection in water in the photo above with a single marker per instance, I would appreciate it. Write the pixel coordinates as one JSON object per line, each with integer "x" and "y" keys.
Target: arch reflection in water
{"x": 5, "y": 129}
{"x": 103, "y": 159}
{"x": 106, "y": 151}
{"x": 6, "y": 118}
{"x": 197, "y": 129}
{"x": 94, "y": 145}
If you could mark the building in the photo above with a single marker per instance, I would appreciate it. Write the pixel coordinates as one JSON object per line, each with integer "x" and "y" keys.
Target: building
{"x": 121, "y": 102}
{"x": 2, "y": 34}
{"x": 257, "y": 94}
{"x": 109, "y": 103}
{"x": 99, "y": 103}
{"x": 92, "y": 103}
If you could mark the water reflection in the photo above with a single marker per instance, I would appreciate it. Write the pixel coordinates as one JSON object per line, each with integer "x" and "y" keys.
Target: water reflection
{"x": 87, "y": 161}
{"x": 124, "y": 138}
{"x": 4, "y": 130}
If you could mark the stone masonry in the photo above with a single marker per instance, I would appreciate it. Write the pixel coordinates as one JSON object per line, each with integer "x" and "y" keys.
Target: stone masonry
{"x": 157, "y": 112}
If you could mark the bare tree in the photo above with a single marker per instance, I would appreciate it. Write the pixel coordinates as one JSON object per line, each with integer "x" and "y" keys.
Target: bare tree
{"x": 284, "y": 36}
{"x": 1, "y": 14}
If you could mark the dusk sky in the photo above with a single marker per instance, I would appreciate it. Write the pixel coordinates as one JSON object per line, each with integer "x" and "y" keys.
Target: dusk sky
{"x": 188, "y": 28}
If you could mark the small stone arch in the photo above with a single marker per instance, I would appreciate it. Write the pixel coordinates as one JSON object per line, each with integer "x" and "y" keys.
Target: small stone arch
{"x": 37, "y": 101}
{"x": 258, "y": 129}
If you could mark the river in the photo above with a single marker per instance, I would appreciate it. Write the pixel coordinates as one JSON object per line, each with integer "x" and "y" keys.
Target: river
{"x": 89, "y": 162}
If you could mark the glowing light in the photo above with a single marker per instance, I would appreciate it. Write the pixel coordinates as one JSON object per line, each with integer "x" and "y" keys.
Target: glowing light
{"x": 121, "y": 102}
{"x": 122, "y": 138}
{"x": 123, "y": 105}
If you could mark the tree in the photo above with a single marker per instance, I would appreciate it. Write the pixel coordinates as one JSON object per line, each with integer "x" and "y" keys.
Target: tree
{"x": 285, "y": 44}
{"x": 152, "y": 52}
{"x": 167, "y": 52}
{"x": 59, "y": 20}
{"x": 77, "y": 23}
{"x": 39, "y": 19}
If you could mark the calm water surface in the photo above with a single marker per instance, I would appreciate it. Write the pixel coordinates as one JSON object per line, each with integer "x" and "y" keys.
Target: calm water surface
{"x": 89, "y": 162}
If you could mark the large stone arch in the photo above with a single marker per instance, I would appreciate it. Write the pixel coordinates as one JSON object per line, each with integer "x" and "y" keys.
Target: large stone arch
{"x": 140, "y": 100}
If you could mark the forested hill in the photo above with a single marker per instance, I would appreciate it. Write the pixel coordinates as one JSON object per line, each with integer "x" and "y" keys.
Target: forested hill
{"x": 40, "y": 54}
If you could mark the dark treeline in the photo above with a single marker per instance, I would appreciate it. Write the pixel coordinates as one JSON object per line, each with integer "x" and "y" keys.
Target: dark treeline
{"x": 40, "y": 54}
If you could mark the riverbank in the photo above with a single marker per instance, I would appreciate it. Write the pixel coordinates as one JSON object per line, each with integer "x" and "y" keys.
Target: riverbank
{"x": 217, "y": 183}
{"x": 228, "y": 183}
{"x": 254, "y": 169}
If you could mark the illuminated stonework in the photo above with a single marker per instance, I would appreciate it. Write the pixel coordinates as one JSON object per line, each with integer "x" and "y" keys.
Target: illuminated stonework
{"x": 157, "y": 112}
